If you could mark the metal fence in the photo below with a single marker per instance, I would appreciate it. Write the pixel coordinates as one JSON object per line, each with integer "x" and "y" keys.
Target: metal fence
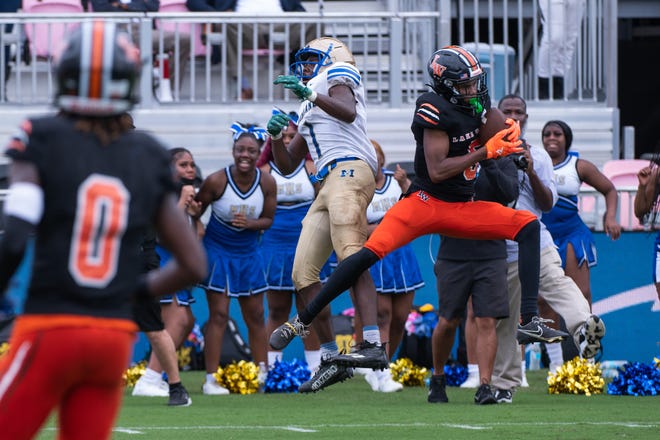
{"x": 391, "y": 50}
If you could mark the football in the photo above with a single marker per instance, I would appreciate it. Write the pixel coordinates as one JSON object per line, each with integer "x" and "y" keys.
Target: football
{"x": 491, "y": 122}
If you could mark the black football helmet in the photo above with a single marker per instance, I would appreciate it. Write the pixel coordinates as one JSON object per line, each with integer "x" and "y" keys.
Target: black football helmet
{"x": 452, "y": 66}
{"x": 97, "y": 71}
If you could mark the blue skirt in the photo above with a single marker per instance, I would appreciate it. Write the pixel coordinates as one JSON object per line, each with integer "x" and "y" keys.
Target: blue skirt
{"x": 398, "y": 272}
{"x": 183, "y": 297}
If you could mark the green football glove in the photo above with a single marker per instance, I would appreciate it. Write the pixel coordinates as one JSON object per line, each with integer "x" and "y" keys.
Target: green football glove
{"x": 292, "y": 83}
{"x": 276, "y": 124}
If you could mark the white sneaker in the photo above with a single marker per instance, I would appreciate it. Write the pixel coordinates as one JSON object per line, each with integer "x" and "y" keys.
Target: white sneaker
{"x": 145, "y": 388}
{"x": 389, "y": 385}
{"x": 214, "y": 389}
{"x": 372, "y": 379}
{"x": 472, "y": 381}
{"x": 362, "y": 371}
{"x": 523, "y": 382}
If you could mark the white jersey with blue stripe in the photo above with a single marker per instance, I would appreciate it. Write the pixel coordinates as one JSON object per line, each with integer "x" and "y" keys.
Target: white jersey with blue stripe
{"x": 383, "y": 198}
{"x": 327, "y": 137}
{"x": 234, "y": 201}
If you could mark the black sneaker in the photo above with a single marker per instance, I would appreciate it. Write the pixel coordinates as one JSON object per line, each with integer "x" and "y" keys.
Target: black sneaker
{"x": 285, "y": 333}
{"x": 504, "y": 396}
{"x": 484, "y": 395}
{"x": 179, "y": 396}
{"x": 591, "y": 332}
{"x": 536, "y": 331}
{"x": 328, "y": 373}
{"x": 437, "y": 393}
{"x": 365, "y": 355}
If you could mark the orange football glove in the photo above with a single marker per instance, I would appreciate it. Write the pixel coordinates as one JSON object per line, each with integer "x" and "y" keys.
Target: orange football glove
{"x": 497, "y": 146}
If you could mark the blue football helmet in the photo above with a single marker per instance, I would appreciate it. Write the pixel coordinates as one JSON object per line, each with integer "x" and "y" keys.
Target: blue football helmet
{"x": 319, "y": 54}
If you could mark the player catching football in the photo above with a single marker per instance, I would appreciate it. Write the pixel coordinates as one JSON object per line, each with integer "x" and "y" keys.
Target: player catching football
{"x": 440, "y": 199}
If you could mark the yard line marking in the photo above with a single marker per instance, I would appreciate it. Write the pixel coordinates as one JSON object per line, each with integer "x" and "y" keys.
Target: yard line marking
{"x": 453, "y": 425}
{"x": 127, "y": 431}
{"x": 316, "y": 428}
{"x": 296, "y": 429}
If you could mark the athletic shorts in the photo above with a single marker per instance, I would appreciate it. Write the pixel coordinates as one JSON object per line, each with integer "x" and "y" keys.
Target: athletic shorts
{"x": 484, "y": 280}
{"x": 146, "y": 314}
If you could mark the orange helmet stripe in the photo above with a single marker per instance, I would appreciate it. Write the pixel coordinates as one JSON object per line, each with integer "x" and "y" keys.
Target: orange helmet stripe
{"x": 96, "y": 67}
{"x": 469, "y": 57}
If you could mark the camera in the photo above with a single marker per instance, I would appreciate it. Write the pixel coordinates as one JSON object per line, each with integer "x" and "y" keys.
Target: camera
{"x": 519, "y": 159}
{"x": 521, "y": 162}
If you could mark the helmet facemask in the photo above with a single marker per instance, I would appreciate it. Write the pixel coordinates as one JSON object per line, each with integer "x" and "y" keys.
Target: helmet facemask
{"x": 315, "y": 58}
{"x": 319, "y": 54}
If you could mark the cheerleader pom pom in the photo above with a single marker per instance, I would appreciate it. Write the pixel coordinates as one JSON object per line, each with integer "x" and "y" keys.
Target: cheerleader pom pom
{"x": 577, "y": 376}
{"x": 286, "y": 377}
{"x": 636, "y": 379}
{"x": 407, "y": 373}
{"x": 239, "y": 377}
{"x": 455, "y": 374}
{"x": 132, "y": 374}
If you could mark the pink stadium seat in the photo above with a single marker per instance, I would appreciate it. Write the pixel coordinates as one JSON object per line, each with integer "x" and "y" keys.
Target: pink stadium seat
{"x": 623, "y": 174}
{"x": 180, "y": 6}
{"x": 45, "y": 38}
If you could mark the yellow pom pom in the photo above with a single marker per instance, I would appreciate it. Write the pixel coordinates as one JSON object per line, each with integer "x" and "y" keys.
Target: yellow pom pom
{"x": 407, "y": 373}
{"x": 4, "y": 348}
{"x": 135, "y": 372}
{"x": 577, "y": 376}
{"x": 239, "y": 378}
{"x": 183, "y": 356}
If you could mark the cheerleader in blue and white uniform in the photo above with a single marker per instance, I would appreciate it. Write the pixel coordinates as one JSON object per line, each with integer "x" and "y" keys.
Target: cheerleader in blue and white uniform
{"x": 573, "y": 238}
{"x": 243, "y": 201}
{"x": 295, "y": 194}
{"x": 396, "y": 276}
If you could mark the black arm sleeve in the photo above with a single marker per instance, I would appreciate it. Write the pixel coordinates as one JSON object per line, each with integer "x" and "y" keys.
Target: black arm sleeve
{"x": 12, "y": 248}
{"x": 502, "y": 181}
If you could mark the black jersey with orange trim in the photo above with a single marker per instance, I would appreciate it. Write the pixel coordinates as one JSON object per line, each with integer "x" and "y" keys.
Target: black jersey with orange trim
{"x": 434, "y": 112}
{"x": 98, "y": 202}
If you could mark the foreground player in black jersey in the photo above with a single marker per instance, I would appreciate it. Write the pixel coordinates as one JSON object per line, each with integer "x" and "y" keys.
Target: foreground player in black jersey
{"x": 86, "y": 186}
{"x": 440, "y": 199}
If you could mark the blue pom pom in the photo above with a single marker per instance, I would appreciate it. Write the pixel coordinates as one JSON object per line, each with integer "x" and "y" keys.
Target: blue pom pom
{"x": 455, "y": 374}
{"x": 286, "y": 377}
{"x": 636, "y": 379}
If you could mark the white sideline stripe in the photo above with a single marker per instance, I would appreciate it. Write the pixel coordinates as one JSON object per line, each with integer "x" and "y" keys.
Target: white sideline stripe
{"x": 480, "y": 426}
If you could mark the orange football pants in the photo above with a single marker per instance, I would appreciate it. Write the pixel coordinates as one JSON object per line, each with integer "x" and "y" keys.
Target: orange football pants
{"x": 420, "y": 214}
{"x": 73, "y": 363}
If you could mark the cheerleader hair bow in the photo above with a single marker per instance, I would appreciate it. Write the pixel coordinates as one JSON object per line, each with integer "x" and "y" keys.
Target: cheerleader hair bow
{"x": 292, "y": 115}
{"x": 258, "y": 132}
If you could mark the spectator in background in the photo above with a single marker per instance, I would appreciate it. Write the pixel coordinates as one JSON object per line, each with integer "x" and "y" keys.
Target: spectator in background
{"x": 537, "y": 194}
{"x": 646, "y": 208}
{"x": 472, "y": 274}
{"x": 243, "y": 201}
{"x": 560, "y": 21}
{"x": 257, "y": 7}
{"x": 8, "y": 6}
{"x": 181, "y": 53}
{"x": 167, "y": 324}
{"x": 572, "y": 237}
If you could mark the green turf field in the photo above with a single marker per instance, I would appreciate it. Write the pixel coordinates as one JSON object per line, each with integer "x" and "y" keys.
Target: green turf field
{"x": 350, "y": 410}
